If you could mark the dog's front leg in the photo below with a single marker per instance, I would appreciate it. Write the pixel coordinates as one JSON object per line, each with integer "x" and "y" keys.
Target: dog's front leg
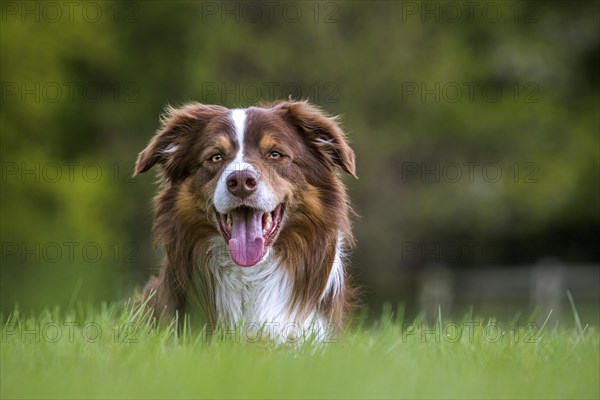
{"x": 165, "y": 294}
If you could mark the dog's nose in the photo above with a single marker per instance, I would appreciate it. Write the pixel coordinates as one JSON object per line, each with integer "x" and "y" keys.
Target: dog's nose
{"x": 242, "y": 183}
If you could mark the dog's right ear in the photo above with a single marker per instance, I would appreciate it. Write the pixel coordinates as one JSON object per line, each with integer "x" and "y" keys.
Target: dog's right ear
{"x": 322, "y": 132}
{"x": 172, "y": 141}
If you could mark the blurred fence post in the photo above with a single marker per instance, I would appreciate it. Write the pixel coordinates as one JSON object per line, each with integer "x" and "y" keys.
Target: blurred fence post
{"x": 436, "y": 290}
{"x": 547, "y": 288}
{"x": 505, "y": 290}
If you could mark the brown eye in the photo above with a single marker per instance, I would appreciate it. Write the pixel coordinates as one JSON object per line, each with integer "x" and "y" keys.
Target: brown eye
{"x": 216, "y": 158}
{"x": 274, "y": 155}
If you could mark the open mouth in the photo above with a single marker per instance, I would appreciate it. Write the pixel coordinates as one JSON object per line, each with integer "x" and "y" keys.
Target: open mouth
{"x": 249, "y": 232}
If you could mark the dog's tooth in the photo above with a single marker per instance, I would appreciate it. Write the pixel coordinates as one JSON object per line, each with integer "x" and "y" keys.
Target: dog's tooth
{"x": 268, "y": 222}
{"x": 229, "y": 221}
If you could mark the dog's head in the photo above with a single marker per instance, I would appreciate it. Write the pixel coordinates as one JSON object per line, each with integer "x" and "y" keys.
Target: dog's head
{"x": 251, "y": 175}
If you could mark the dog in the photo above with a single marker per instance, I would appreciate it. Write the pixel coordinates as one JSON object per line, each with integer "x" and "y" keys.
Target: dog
{"x": 253, "y": 216}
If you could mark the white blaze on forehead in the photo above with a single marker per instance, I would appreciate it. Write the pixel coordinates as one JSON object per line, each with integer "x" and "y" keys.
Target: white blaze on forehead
{"x": 238, "y": 117}
{"x": 239, "y": 122}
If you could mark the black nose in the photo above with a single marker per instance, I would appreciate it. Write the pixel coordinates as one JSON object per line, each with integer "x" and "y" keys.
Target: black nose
{"x": 242, "y": 183}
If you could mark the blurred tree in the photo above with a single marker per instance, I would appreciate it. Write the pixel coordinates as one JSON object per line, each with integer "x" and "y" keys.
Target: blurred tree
{"x": 475, "y": 132}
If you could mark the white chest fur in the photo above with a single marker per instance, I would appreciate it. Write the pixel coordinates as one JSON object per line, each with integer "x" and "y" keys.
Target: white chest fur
{"x": 259, "y": 297}
{"x": 254, "y": 295}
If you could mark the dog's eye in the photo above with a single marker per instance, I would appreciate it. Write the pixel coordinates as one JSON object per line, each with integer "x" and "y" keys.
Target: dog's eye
{"x": 274, "y": 155}
{"x": 216, "y": 158}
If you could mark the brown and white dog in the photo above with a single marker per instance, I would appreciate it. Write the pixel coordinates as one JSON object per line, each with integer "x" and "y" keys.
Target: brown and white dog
{"x": 252, "y": 215}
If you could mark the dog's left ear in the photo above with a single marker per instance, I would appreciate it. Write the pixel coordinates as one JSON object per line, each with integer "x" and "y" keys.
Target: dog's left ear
{"x": 322, "y": 131}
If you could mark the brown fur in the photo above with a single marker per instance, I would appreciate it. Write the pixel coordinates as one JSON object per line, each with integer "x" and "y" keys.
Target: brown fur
{"x": 315, "y": 199}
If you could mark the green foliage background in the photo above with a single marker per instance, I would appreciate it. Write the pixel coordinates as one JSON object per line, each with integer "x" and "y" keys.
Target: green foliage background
{"x": 363, "y": 60}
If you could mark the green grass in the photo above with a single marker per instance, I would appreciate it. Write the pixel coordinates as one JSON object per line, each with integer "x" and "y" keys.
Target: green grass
{"x": 113, "y": 352}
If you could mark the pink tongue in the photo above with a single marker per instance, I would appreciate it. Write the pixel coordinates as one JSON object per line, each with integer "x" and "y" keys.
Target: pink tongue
{"x": 247, "y": 244}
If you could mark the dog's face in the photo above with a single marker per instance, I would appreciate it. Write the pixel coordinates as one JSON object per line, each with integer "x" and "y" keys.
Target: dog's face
{"x": 250, "y": 175}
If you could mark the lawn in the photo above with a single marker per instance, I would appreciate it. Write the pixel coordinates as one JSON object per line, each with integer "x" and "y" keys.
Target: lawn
{"x": 112, "y": 352}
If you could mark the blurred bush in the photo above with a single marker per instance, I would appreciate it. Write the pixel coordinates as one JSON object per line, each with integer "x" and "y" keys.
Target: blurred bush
{"x": 475, "y": 128}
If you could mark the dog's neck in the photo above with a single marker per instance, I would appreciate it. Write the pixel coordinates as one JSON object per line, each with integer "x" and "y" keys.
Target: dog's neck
{"x": 260, "y": 296}
{"x": 252, "y": 295}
